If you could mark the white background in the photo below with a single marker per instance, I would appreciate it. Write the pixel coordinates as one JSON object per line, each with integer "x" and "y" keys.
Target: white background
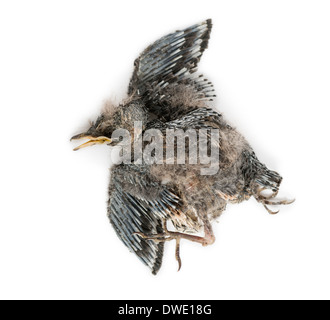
{"x": 270, "y": 64}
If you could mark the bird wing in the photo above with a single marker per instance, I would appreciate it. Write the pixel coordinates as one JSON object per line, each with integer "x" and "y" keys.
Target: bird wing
{"x": 172, "y": 60}
{"x": 130, "y": 212}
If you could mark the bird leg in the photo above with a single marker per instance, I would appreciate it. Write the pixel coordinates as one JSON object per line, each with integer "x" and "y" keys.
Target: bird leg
{"x": 208, "y": 238}
{"x": 270, "y": 200}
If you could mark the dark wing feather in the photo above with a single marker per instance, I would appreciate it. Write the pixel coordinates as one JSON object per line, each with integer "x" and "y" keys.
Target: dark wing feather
{"x": 130, "y": 213}
{"x": 172, "y": 60}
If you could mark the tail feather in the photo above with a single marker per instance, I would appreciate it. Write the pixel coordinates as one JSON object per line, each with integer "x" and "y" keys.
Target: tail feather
{"x": 257, "y": 173}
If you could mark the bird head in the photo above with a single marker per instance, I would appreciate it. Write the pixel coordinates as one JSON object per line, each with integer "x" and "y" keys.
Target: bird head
{"x": 111, "y": 119}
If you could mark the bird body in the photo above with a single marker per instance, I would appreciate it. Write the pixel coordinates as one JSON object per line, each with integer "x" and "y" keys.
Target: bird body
{"x": 212, "y": 164}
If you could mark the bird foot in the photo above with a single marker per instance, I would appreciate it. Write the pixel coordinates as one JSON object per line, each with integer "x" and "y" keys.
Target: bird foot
{"x": 270, "y": 200}
{"x": 170, "y": 235}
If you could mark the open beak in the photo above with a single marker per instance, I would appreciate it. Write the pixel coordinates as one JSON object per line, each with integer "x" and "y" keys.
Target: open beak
{"x": 92, "y": 141}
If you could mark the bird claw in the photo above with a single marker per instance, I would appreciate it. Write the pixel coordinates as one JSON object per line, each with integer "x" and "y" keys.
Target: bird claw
{"x": 270, "y": 211}
{"x": 177, "y": 253}
{"x": 270, "y": 200}
{"x": 266, "y": 197}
